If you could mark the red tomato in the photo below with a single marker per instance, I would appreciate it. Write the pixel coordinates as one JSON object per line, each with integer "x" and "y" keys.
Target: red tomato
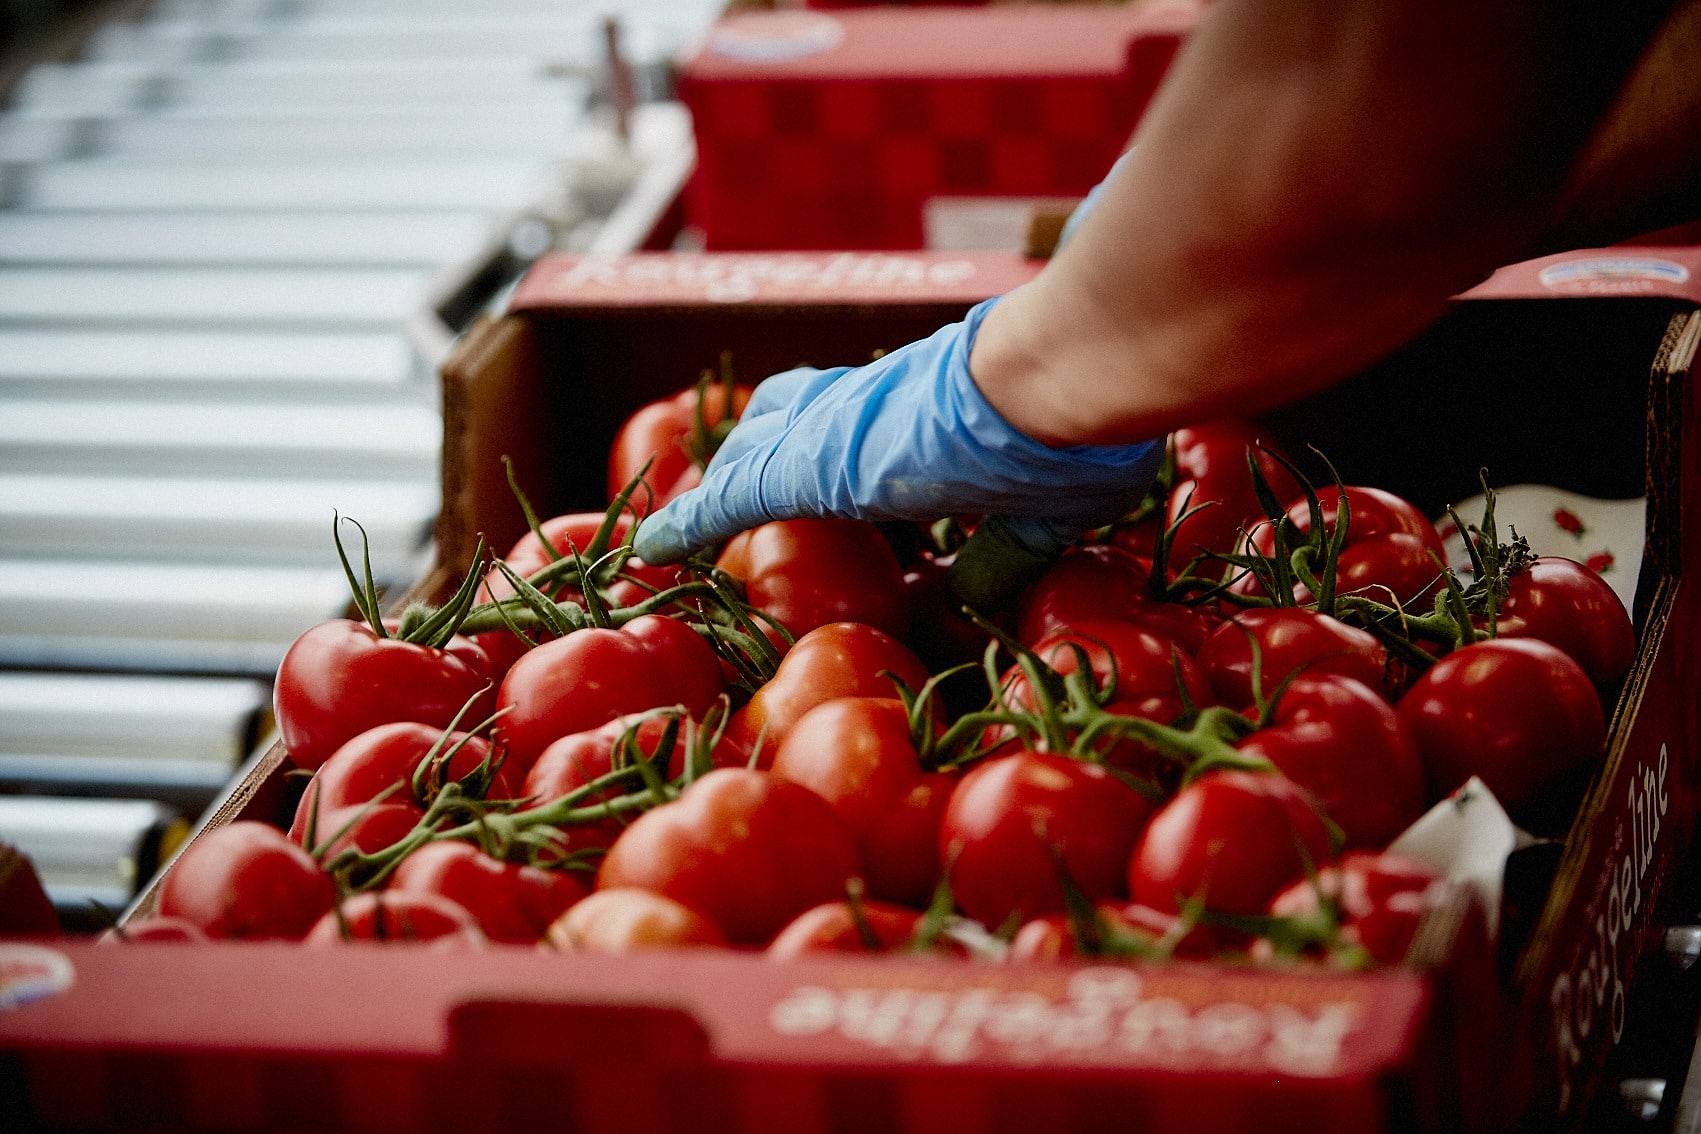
{"x": 369, "y": 828}
{"x": 663, "y": 433}
{"x": 1290, "y": 640}
{"x": 747, "y": 850}
{"x": 939, "y": 633}
{"x": 1097, "y": 581}
{"x": 381, "y": 762}
{"x": 1564, "y": 603}
{"x": 510, "y": 901}
{"x": 856, "y": 753}
{"x": 398, "y": 919}
{"x": 833, "y": 928}
{"x": 573, "y": 761}
{"x": 808, "y": 573}
{"x": 246, "y": 879}
{"x": 1212, "y": 475}
{"x": 592, "y": 676}
{"x": 1519, "y": 713}
{"x": 841, "y": 659}
{"x": 1343, "y": 742}
{"x": 1392, "y": 551}
{"x": 1015, "y": 822}
{"x": 567, "y": 533}
{"x": 1378, "y": 898}
{"x": 339, "y": 679}
{"x": 1232, "y": 838}
{"x": 625, "y": 920}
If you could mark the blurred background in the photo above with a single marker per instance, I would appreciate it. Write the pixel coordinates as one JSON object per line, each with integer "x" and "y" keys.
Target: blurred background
{"x": 236, "y": 238}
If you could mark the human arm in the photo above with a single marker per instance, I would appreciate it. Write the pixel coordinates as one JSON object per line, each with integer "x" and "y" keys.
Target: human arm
{"x": 1312, "y": 183}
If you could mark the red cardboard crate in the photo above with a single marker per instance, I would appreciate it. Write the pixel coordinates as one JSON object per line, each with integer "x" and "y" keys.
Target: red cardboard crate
{"x": 1592, "y": 355}
{"x": 831, "y": 131}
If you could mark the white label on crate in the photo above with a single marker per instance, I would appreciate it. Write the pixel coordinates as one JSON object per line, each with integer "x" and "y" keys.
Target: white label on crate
{"x": 771, "y": 37}
{"x": 1613, "y": 275}
{"x": 32, "y": 972}
{"x": 1105, "y": 1013}
{"x": 1591, "y": 993}
{"x": 740, "y": 279}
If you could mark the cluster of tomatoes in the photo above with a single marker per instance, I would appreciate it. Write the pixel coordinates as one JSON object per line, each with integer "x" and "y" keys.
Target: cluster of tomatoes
{"x": 1198, "y": 732}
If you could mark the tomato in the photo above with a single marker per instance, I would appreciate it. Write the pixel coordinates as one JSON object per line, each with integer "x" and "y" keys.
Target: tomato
{"x": 1232, "y": 838}
{"x": 834, "y": 928}
{"x": 365, "y": 827}
{"x": 1016, "y": 822}
{"x": 841, "y": 659}
{"x": 856, "y": 753}
{"x": 624, "y": 920}
{"x": 1517, "y": 712}
{"x": 573, "y": 761}
{"x": 144, "y": 930}
{"x": 1377, "y": 899}
{"x": 1097, "y": 581}
{"x": 381, "y": 762}
{"x": 747, "y": 850}
{"x": 510, "y": 901}
{"x": 339, "y": 679}
{"x": 1212, "y": 476}
{"x": 594, "y": 675}
{"x": 940, "y": 634}
{"x": 1343, "y": 742}
{"x": 1290, "y": 640}
{"x": 664, "y": 433}
{"x": 1392, "y": 552}
{"x": 1121, "y": 929}
{"x": 1564, "y": 603}
{"x": 808, "y": 573}
{"x": 398, "y": 919}
{"x": 566, "y": 533}
{"x": 246, "y": 879}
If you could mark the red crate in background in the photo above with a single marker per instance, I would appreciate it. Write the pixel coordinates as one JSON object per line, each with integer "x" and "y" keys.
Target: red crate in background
{"x": 832, "y": 131}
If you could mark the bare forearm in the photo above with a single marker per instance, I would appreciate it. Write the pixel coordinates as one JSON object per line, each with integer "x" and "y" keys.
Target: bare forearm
{"x": 1313, "y": 182}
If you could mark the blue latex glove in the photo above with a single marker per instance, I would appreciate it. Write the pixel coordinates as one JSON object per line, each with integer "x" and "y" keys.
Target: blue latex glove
{"x": 908, "y": 436}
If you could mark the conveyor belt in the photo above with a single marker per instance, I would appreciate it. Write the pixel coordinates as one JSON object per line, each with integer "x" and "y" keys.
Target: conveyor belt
{"x": 223, "y": 228}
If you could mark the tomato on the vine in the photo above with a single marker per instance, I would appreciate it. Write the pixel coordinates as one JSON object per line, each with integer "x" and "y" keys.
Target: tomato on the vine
{"x": 510, "y": 901}
{"x": 676, "y": 435}
{"x": 840, "y": 659}
{"x": 857, "y": 754}
{"x": 593, "y": 675}
{"x": 398, "y": 919}
{"x": 869, "y": 927}
{"x": 1343, "y": 741}
{"x": 1232, "y": 839}
{"x": 380, "y": 763}
{"x": 566, "y": 534}
{"x": 1516, "y": 712}
{"x": 1392, "y": 553}
{"x": 809, "y": 572}
{"x": 1017, "y": 825}
{"x": 1564, "y": 603}
{"x": 246, "y": 879}
{"x": 1289, "y": 640}
{"x": 1375, "y": 902}
{"x": 340, "y": 678}
{"x": 1214, "y": 484}
{"x": 747, "y": 850}
{"x": 624, "y": 920}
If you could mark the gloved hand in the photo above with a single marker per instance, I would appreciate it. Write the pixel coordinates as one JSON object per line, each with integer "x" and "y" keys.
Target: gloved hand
{"x": 908, "y": 436}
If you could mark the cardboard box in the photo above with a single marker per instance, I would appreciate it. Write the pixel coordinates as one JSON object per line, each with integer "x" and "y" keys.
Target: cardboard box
{"x": 1587, "y": 359}
{"x": 821, "y": 130}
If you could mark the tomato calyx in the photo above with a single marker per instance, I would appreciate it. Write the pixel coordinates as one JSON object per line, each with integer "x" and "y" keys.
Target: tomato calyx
{"x": 1070, "y": 716}
{"x": 705, "y": 440}
{"x": 419, "y": 624}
